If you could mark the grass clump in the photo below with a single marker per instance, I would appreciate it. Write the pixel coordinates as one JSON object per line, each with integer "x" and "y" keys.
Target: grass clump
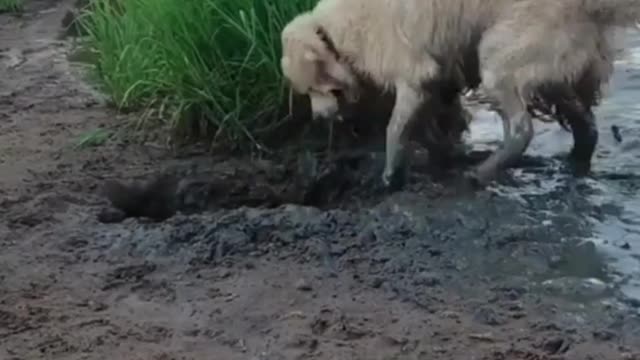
{"x": 208, "y": 67}
{"x": 11, "y": 5}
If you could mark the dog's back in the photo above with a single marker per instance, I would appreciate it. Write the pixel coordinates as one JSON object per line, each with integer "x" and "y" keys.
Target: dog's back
{"x": 383, "y": 39}
{"x": 609, "y": 12}
{"x": 539, "y": 42}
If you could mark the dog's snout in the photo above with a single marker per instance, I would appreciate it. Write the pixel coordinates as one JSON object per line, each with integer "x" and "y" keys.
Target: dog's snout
{"x": 324, "y": 106}
{"x": 319, "y": 117}
{"x": 326, "y": 117}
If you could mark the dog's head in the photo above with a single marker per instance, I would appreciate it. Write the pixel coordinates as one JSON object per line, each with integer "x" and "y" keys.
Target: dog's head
{"x": 314, "y": 67}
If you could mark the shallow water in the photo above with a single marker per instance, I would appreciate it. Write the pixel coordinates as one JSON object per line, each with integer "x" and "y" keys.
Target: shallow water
{"x": 614, "y": 187}
{"x": 550, "y": 206}
{"x": 619, "y": 234}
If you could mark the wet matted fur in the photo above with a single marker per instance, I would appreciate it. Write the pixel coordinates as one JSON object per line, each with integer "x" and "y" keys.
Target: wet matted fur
{"x": 553, "y": 57}
{"x": 531, "y": 54}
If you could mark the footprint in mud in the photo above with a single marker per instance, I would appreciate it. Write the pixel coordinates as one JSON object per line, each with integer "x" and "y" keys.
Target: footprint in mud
{"x": 29, "y": 219}
{"x": 11, "y": 323}
{"x": 55, "y": 346}
{"x": 150, "y": 333}
{"x": 12, "y": 58}
{"x": 152, "y": 290}
{"x": 339, "y": 326}
{"x": 128, "y": 274}
{"x": 489, "y": 316}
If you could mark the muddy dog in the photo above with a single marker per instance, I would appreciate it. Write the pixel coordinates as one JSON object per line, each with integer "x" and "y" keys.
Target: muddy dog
{"x": 542, "y": 54}
{"x": 554, "y": 57}
{"x": 328, "y": 50}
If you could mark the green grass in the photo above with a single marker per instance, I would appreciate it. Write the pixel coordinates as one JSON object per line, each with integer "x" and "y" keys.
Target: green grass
{"x": 11, "y": 5}
{"x": 93, "y": 138}
{"x": 207, "y": 67}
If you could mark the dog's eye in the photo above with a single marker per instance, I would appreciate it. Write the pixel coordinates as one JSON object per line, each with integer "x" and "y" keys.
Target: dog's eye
{"x": 337, "y": 93}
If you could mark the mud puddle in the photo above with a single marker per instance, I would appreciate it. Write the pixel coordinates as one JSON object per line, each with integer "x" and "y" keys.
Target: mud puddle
{"x": 577, "y": 238}
{"x": 286, "y": 258}
{"x": 612, "y": 193}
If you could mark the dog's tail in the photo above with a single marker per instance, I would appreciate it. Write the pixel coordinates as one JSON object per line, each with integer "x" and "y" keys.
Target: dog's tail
{"x": 625, "y": 13}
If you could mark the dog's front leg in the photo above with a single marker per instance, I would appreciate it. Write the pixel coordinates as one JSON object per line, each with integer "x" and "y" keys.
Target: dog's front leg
{"x": 518, "y": 134}
{"x": 585, "y": 139}
{"x": 408, "y": 100}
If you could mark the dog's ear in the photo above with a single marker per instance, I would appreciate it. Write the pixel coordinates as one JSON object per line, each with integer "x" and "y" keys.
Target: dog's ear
{"x": 330, "y": 73}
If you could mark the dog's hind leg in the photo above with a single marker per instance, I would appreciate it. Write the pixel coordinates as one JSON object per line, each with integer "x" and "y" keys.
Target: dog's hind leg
{"x": 518, "y": 134}
{"x": 573, "y": 109}
{"x": 585, "y": 139}
{"x": 443, "y": 126}
{"x": 585, "y": 135}
{"x": 408, "y": 102}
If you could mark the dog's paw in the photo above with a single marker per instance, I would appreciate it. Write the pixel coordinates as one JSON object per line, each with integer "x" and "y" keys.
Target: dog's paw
{"x": 394, "y": 180}
{"x": 475, "y": 179}
{"x": 579, "y": 168}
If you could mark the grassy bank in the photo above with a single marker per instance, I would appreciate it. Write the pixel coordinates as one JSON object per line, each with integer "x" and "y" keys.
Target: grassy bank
{"x": 209, "y": 67}
{"x": 11, "y": 5}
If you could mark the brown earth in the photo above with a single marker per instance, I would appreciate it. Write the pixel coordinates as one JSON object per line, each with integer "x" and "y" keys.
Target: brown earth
{"x": 227, "y": 281}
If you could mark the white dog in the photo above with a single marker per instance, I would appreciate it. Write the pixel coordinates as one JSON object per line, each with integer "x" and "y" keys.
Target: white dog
{"x": 530, "y": 53}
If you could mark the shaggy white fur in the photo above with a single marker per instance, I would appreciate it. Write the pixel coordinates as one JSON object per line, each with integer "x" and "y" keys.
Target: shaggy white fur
{"x": 521, "y": 46}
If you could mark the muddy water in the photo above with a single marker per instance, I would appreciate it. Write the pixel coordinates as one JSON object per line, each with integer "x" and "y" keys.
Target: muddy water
{"x": 619, "y": 233}
{"x": 539, "y": 231}
{"x": 612, "y": 191}
{"x": 244, "y": 279}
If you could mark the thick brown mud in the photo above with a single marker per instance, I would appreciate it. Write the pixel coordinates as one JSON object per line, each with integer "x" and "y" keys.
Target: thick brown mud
{"x": 127, "y": 250}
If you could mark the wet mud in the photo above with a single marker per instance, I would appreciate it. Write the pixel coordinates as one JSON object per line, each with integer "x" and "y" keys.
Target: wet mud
{"x": 127, "y": 250}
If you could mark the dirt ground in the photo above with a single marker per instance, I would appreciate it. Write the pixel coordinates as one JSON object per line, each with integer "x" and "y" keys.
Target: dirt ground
{"x": 357, "y": 277}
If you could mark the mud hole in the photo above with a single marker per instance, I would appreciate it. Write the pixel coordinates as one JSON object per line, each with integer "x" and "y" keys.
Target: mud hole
{"x": 290, "y": 257}
{"x": 349, "y": 180}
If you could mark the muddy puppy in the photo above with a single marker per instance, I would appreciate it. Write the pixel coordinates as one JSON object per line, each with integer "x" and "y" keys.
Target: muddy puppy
{"x": 407, "y": 47}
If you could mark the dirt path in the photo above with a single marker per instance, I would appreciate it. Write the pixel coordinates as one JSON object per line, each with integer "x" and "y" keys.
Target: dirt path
{"x": 286, "y": 283}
